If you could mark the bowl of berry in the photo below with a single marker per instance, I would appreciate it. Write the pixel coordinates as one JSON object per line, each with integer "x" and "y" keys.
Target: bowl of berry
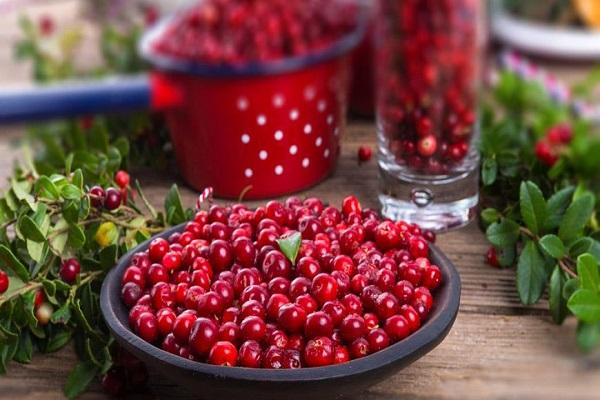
{"x": 291, "y": 300}
{"x": 263, "y": 88}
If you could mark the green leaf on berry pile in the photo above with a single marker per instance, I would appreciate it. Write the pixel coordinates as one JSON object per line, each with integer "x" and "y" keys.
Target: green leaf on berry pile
{"x": 531, "y": 274}
{"x": 533, "y": 206}
{"x": 489, "y": 171}
{"x": 45, "y": 188}
{"x": 585, "y": 304}
{"x": 504, "y": 233}
{"x": 587, "y": 270}
{"x": 290, "y": 245}
{"x": 553, "y": 246}
{"x": 173, "y": 207}
{"x": 588, "y": 336}
{"x": 80, "y": 378}
{"x": 71, "y": 192}
{"x": 576, "y": 217}
{"x": 557, "y": 303}
{"x": 9, "y": 259}
{"x": 557, "y": 205}
{"x": 30, "y": 230}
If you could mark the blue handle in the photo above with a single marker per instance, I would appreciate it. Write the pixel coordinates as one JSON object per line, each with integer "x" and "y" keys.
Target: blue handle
{"x": 75, "y": 99}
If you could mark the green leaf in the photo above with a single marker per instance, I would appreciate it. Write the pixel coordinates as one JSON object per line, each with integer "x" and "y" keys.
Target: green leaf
{"x": 558, "y": 305}
{"x": 30, "y": 229}
{"x": 71, "y": 192}
{"x": 533, "y": 206}
{"x": 71, "y": 211}
{"x": 80, "y": 378}
{"x": 585, "y": 245}
{"x": 576, "y": 217}
{"x": 58, "y": 341}
{"x": 490, "y": 215}
{"x": 531, "y": 274}
{"x": 77, "y": 179}
{"x": 587, "y": 270}
{"x": 173, "y": 207}
{"x": 290, "y": 245}
{"x": 489, "y": 171}
{"x": 24, "y": 349}
{"x": 46, "y": 188}
{"x": 570, "y": 287}
{"x": 557, "y": 205}
{"x": 59, "y": 236}
{"x": 585, "y": 304}
{"x": 108, "y": 256}
{"x": 62, "y": 315}
{"x": 552, "y": 245}
{"x": 8, "y": 258}
{"x": 76, "y": 237}
{"x": 504, "y": 233}
{"x": 588, "y": 336}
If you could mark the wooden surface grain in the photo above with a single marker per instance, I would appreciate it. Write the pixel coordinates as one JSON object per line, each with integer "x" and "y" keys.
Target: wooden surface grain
{"x": 497, "y": 349}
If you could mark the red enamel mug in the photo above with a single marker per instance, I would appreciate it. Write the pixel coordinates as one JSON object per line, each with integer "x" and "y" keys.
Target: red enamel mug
{"x": 265, "y": 129}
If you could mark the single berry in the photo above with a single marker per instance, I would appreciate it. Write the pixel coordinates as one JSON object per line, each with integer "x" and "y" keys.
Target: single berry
{"x": 97, "y": 196}
{"x": 4, "y": 281}
{"x": 223, "y": 353}
{"x": 122, "y": 179}
{"x": 112, "y": 199}
{"x": 364, "y": 154}
{"x": 491, "y": 257}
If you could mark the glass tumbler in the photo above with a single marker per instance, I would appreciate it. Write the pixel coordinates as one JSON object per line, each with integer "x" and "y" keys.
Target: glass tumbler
{"x": 428, "y": 67}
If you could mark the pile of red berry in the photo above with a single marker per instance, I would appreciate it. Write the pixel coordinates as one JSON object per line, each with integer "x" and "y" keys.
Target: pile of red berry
{"x": 111, "y": 198}
{"x": 237, "y": 31}
{"x": 229, "y": 289}
{"x": 548, "y": 148}
{"x": 428, "y": 67}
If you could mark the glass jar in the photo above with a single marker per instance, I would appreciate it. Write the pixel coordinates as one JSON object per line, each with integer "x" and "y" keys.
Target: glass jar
{"x": 428, "y": 62}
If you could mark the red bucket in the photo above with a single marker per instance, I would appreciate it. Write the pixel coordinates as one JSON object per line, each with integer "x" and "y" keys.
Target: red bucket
{"x": 265, "y": 128}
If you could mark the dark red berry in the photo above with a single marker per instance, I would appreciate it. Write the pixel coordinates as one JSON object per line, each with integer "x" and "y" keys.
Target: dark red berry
{"x": 112, "y": 199}
{"x": 69, "y": 270}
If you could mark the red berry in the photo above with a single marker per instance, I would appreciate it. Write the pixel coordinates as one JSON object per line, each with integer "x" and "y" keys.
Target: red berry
{"x": 204, "y": 334}
{"x": 545, "y": 153}
{"x": 491, "y": 257}
{"x": 350, "y": 205}
{"x": 386, "y": 305}
{"x": 292, "y": 318}
{"x": 324, "y": 288}
{"x": 69, "y": 270}
{"x": 157, "y": 249}
{"x": 318, "y": 323}
{"x": 182, "y": 326}
{"x": 427, "y": 146}
{"x": 112, "y": 199}
{"x": 397, "y": 328}
{"x": 171, "y": 260}
{"x": 352, "y": 327}
{"x": 341, "y": 354}
{"x": 432, "y": 277}
{"x": 122, "y": 179}
{"x": 46, "y": 24}
{"x": 319, "y": 352}
{"x": 364, "y": 153}
{"x": 220, "y": 255}
{"x": 223, "y": 353}
{"x": 418, "y": 247}
{"x": 253, "y": 328}
{"x": 147, "y": 327}
{"x": 387, "y": 236}
{"x": 4, "y": 281}
{"x": 250, "y": 354}
{"x": 113, "y": 382}
{"x": 412, "y": 317}
{"x": 359, "y": 348}
{"x": 96, "y": 195}
{"x": 560, "y": 134}
{"x": 378, "y": 339}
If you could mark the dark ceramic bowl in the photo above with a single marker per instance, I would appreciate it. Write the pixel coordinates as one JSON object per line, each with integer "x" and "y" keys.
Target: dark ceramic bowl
{"x": 207, "y": 381}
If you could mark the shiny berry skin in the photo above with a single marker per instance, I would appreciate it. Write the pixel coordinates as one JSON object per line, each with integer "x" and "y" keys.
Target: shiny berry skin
{"x": 397, "y": 328}
{"x": 324, "y": 288}
{"x": 336, "y": 311}
{"x": 275, "y": 264}
{"x": 250, "y": 354}
{"x": 220, "y": 255}
{"x": 69, "y": 270}
{"x": 112, "y": 199}
{"x": 244, "y": 252}
{"x": 545, "y": 153}
{"x": 432, "y": 277}
{"x": 182, "y": 327}
{"x": 404, "y": 291}
{"x": 387, "y": 235}
{"x": 292, "y": 318}
{"x": 350, "y": 205}
{"x": 423, "y": 295}
{"x": 378, "y": 339}
{"x": 171, "y": 260}
{"x": 364, "y": 153}
{"x": 147, "y": 327}
{"x": 157, "y": 249}
{"x": 4, "y": 281}
{"x": 344, "y": 264}
{"x": 253, "y": 328}
{"x": 429, "y": 236}
{"x": 122, "y": 179}
{"x": 162, "y": 296}
{"x": 359, "y": 348}
{"x": 352, "y": 327}
{"x": 308, "y": 267}
{"x": 192, "y": 297}
{"x": 491, "y": 257}
{"x": 203, "y": 335}
{"x": 209, "y": 304}
{"x": 170, "y": 344}
{"x": 274, "y": 304}
{"x": 319, "y": 352}
{"x": 135, "y": 275}
{"x": 353, "y": 304}
{"x": 252, "y": 308}
{"x": 130, "y": 293}
{"x": 412, "y": 317}
{"x": 418, "y": 247}
{"x": 273, "y": 358}
{"x": 318, "y": 323}
{"x": 340, "y": 354}
{"x": 386, "y": 305}
{"x": 427, "y": 146}
{"x": 165, "y": 318}
{"x": 223, "y": 353}
{"x": 96, "y": 195}
{"x": 279, "y": 285}
{"x": 371, "y": 321}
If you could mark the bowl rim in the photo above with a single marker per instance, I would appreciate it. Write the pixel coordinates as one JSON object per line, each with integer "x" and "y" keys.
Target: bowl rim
{"x": 254, "y": 68}
{"x": 418, "y": 343}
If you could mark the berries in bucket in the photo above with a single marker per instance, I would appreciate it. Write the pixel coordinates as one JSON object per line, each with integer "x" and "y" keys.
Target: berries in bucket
{"x": 288, "y": 285}
{"x": 265, "y": 89}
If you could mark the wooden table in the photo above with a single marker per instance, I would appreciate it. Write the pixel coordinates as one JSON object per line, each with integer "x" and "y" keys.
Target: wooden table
{"x": 497, "y": 348}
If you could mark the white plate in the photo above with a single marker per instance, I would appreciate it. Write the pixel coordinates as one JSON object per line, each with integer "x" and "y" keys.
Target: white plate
{"x": 541, "y": 39}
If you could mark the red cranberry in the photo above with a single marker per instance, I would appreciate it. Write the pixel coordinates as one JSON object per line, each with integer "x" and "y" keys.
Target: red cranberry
{"x": 353, "y": 304}
{"x": 253, "y": 328}
{"x": 112, "y": 199}
{"x": 336, "y": 311}
{"x": 147, "y": 327}
{"x": 386, "y": 305}
{"x": 359, "y": 348}
{"x": 418, "y": 247}
{"x": 378, "y": 339}
{"x": 364, "y": 153}
{"x": 352, "y": 327}
{"x": 319, "y": 352}
{"x": 307, "y": 302}
{"x": 432, "y": 277}
{"x": 244, "y": 252}
{"x": 250, "y": 354}
{"x": 318, "y": 323}
{"x": 97, "y": 195}
{"x": 491, "y": 257}
{"x": 165, "y": 318}
{"x": 276, "y": 264}
{"x": 273, "y": 358}
{"x": 182, "y": 327}
{"x": 209, "y": 304}
{"x": 122, "y": 179}
{"x": 404, "y": 291}
{"x": 397, "y": 328}
{"x": 223, "y": 353}
{"x": 350, "y": 205}
{"x": 413, "y": 318}
{"x": 130, "y": 293}
{"x": 69, "y": 270}
{"x": 371, "y": 321}
{"x": 308, "y": 267}
{"x": 324, "y": 288}
{"x": 341, "y": 354}
{"x": 157, "y": 249}
{"x": 203, "y": 335}
{"x": 220, "y": 255}
{"x": 292, "y": 318}
{"x": 4, "y": 282}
